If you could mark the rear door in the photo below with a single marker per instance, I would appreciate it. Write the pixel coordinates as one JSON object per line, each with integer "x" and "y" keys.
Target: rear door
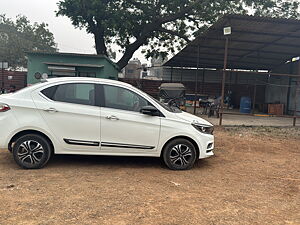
{"x": 123, "y": 128}
{"x": 72, "y": 115}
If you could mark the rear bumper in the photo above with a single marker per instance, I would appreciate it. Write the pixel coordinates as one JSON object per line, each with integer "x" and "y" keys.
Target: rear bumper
{"x": 7, "y": 125}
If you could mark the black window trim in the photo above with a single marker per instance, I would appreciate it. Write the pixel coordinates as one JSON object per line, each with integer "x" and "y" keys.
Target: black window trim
{"x": 99, "y": 92}
{"x": 99, "y": 95}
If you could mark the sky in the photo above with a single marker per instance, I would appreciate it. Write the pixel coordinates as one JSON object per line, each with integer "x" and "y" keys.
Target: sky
{"x": 66, "y": 36}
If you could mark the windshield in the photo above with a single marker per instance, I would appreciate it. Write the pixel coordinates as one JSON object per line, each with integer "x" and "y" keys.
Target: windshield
{"x": 173, "y": 109}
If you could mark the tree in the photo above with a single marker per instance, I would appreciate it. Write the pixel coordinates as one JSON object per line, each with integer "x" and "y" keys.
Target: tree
{"x": 161, "y": 25}
{"x": 19, "y": 36}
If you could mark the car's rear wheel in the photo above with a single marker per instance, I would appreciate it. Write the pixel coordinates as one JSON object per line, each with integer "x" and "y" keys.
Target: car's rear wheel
{"x": 32, "y": 151}
{"x": 179, "y": 154}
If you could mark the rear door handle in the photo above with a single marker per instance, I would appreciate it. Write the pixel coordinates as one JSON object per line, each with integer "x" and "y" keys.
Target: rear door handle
{"x": 50, "y": 110}
{"x": 112, "y": 117}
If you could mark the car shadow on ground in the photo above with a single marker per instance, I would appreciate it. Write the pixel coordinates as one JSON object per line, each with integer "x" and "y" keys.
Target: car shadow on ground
{"x": 77, "y": 161}
{"x": 113, "y": 161}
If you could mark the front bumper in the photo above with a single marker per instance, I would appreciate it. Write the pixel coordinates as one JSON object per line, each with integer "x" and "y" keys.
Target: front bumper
{"x": 207, "y": 153}
{"x": 207, "y": 146}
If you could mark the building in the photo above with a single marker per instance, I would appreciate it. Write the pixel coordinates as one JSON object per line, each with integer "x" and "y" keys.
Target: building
{"x": 70, "y": 64}
{"x": 257, "y": 59}
{"x": 156, "y": 69}
{"x": 133, "y": 70}
{"x": 145, "y": 72}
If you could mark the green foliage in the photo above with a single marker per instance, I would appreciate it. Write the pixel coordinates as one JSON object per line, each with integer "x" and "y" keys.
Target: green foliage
{"x": 19, "y": 36}
{"x": 160, "y": 26}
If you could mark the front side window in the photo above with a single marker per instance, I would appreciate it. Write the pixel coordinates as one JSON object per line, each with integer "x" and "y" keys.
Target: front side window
{"x": 121, "y": 98}
{"x": 77, "y": 93}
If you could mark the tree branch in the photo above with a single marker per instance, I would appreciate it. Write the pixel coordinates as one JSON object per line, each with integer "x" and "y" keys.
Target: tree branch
{"x": 172, "y": 32}
{"x": 129, "y": 51}
{"x": 149, "y": 28}
{"x": 179, "y": 14}
{"x": 193, "y": 19}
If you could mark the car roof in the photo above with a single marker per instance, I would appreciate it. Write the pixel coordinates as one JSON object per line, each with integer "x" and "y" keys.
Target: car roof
{"x": 50, "y": 81}
{"x": 101, "y": 80}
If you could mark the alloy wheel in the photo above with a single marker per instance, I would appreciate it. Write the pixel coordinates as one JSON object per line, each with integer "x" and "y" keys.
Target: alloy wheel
{"x": 181, "y": 155}
{"x": 30, "y": 152}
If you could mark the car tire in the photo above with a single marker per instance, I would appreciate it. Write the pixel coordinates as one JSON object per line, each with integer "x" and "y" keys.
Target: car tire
{"x": 179, "y": 154}
{"x": 32, "y": 151}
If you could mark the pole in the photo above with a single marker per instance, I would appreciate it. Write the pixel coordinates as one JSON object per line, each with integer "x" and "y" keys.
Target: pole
{"x": 181, "y": 73}
{"x": 172, "y": 74}
{"x": 203, "y": 80}
{"x": 196, "y": 85}
{"x": 254, "y": 97}
{"x": 296, "y": 95}
{"x": 223, "y": 80}
{"x": 295, "y": 104}
{"x": 2, "y": 77}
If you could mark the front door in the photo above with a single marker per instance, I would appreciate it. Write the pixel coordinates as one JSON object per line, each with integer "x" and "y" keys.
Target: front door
{"x": 70, "y": 112}
{"x": 123, "y": 128}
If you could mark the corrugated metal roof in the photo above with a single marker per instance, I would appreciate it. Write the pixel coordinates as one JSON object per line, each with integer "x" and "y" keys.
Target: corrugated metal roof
{"x": 66, "y": 54}
{"x": 256, "y": 43}
{"x": 74, "y": 55}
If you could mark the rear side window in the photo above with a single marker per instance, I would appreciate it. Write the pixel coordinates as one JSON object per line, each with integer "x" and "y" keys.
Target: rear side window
{"x": 76, "y": 93}
{"x": 49, "y": 92}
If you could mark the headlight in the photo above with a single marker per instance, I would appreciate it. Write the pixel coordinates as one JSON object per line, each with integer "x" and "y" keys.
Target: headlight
{"x": 205, "y": 129}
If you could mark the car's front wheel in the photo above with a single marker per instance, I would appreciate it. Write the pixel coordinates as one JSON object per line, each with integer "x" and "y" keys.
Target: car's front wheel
{"x": 31, "y": 151}
{"x": 179, "y": 154}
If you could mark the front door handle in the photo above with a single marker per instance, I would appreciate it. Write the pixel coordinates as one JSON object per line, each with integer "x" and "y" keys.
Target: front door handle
{"x": 112, "y": 117}
{"x": 50, "y": 110}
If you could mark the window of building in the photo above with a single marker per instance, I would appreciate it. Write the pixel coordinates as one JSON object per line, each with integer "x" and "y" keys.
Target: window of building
{"x": 62, "y": 71}
{"x": 130, "y": 71}
{"x": 87, "y": 74}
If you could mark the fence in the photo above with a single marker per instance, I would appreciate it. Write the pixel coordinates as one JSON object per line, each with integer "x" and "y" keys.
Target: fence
{"x": 15, "y": 78}
{"x": 230, "y": 117}
{"x": 210, "y": 89}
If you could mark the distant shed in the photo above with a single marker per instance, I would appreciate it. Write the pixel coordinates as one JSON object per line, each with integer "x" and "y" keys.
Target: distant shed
{"x": 256, "y": 43}
{"x": 258, "y": 53}
{"x": 70, "y": 64}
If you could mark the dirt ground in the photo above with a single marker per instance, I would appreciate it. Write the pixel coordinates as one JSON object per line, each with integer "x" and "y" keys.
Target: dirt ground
{"x": 254, "y": 178}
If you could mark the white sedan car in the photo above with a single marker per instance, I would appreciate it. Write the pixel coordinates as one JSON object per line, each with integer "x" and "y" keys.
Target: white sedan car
{"x": 90, "y": 116}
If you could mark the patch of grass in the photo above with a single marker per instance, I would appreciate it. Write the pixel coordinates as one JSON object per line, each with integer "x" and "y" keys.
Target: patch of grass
{"x": 293, "y": 132}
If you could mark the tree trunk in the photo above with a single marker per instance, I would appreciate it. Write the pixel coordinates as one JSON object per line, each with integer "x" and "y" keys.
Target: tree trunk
{"x": 130, "y": 50}
{"x": 100, "y": 44}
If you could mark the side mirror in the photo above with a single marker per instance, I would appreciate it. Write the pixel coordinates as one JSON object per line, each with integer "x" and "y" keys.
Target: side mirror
{"x": 149, "y": 110}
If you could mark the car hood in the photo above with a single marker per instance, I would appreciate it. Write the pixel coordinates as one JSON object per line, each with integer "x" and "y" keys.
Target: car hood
{"x": 192, "y": 118}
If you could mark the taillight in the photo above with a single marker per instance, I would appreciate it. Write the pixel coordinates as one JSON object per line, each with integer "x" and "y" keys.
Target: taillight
{"x": 4, "y": 107}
